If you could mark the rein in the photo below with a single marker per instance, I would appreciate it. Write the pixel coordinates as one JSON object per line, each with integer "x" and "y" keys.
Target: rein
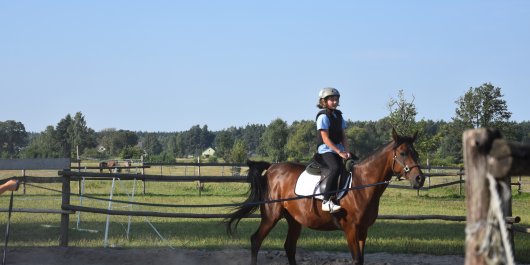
{"x": 360, "y": 187}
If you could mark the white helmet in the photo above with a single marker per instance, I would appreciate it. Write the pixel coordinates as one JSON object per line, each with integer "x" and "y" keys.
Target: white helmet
{"x": 327, "y": 92}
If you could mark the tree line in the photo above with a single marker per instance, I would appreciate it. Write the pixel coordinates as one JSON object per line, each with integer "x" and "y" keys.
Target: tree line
{"x": 439, "y": 141}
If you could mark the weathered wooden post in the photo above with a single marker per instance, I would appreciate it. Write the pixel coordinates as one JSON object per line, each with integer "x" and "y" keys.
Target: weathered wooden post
{"x": 65, "y": 217}
{"x": 200, "y": 185}
{"x": 489, "y": 162}
{"x": 476, "y": 189}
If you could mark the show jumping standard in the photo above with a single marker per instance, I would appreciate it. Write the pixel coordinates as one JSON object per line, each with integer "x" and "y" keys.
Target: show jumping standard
{"x": 360, "y": 206}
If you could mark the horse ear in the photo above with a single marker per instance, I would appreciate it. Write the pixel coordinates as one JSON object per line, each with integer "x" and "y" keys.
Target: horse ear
{"x": 395, "y": 136}
{"x": 415, "y": 136}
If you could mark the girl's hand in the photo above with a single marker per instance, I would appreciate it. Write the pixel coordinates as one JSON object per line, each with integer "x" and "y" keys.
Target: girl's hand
{"x": 345, "y": 155}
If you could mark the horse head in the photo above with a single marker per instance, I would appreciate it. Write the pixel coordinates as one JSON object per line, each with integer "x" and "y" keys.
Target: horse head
{"x": 405, "y": 160}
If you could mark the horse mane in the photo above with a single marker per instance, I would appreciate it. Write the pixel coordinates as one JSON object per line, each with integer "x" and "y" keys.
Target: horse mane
{"x": 376, "y": 151}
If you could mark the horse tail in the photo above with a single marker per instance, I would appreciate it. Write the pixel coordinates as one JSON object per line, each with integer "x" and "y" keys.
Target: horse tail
{"x": 258, "y": 191}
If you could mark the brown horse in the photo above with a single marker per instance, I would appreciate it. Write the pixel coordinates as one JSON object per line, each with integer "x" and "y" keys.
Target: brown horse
{"x": 127, "y": 164}
{"x": 110, "y": 165}
{"x": 360, "y": 206}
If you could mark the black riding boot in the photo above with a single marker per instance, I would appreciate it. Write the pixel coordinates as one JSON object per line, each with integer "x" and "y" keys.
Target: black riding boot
{"x": 331, "y": 171}
{"x": 329, "y": 184}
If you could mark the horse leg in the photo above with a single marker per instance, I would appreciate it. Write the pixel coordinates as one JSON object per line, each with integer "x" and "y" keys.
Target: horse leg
{"x": 266, "y": 225}
{"x": 352, "y": 236}
{"x": 363, "y": 233}
{"x": 293, "y": 233}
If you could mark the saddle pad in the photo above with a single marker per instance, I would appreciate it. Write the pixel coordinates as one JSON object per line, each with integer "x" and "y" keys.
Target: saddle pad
{"x": 308, "y": 184}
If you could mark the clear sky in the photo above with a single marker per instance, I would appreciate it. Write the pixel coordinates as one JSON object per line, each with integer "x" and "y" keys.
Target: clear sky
{"x": 169, "y": 65}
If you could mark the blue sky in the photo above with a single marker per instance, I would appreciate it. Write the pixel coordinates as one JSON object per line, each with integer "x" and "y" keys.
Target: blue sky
{"x": 170, "y": 65}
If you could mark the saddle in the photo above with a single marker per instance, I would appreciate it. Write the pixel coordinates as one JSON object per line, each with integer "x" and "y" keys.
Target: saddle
{"x": 308, "y": 182}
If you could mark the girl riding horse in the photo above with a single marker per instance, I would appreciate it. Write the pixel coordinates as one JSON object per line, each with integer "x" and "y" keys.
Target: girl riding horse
{"x": 360, "y": 206}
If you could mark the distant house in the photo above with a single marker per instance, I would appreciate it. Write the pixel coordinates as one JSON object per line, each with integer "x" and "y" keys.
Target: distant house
{"x": 208, "y": 152}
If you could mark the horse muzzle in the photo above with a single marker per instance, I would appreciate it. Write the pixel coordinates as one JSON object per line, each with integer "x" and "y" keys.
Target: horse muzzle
{"x": 418, "y": 181}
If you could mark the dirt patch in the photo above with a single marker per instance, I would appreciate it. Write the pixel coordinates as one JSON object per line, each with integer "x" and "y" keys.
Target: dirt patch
{"x": 101, "y": 256}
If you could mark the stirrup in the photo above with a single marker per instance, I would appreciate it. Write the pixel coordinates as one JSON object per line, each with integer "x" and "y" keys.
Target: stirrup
{"x": 329, "y": 206}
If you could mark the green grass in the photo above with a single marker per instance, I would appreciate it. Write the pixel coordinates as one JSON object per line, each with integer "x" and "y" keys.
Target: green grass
{"x": 393, "y": 236}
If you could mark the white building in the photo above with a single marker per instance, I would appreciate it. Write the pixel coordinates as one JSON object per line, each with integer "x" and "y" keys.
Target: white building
{"x": 208, "y": 152}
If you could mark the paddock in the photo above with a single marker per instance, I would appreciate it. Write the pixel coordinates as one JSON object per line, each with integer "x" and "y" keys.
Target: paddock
{"x": 73, "y": 208}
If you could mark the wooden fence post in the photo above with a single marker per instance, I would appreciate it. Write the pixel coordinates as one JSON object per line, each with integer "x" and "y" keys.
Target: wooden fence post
{"x": 477, "y": 195}
{"x": 65, "y": 217}
{"x": 490, "y": 162}
{"x": 200, "y": 185}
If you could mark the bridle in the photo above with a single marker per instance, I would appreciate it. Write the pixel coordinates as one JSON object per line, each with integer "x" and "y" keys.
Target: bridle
{"x": 406, "y": 168}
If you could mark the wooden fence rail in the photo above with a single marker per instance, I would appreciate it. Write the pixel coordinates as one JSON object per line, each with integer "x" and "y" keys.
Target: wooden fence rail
{"x": 109, "y": 176}
{"x": 106, "y": 168}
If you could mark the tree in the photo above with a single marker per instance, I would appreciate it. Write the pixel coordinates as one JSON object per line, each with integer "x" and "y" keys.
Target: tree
{"x": 252, "y": 135}
{"x": 63, "y": 140}
{"x": 359, "y": 140}
{"x": 522, "y": 132}
{"x": 44, "y": 145}
{"x": 450, "y": 149}
{"x": 224, "y": 142}
{"x": 274, "y": 139}
{"x": 169, "y": 147}
{"x": 429, "y": 139}
{"x": 482, "y": 106}
{"x": 115, "y": 140}
{"x": 63, "y": 136}
{"x": 365, "y": 137}
{"x": 131, "y": 152}
{"x": 239, "y": 152}
{"x": 151, "y": 144}
{"x": 402, "y": 114}
{"x": 104, "y": 138}
{"x": 13, "y": 137}
{"x": 206, "y": 138}
{"x": 71, "y": 133}
{"x": 80, "y": 134}
{"x": 301, "y": 140}
{"x": 195, "y": 140}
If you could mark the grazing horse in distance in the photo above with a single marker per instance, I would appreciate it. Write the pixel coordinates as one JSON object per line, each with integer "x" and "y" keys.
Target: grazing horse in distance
{"x": 110, "y": 165}
{"x": 127, "y": 163}
{"x": 360, "y": 206}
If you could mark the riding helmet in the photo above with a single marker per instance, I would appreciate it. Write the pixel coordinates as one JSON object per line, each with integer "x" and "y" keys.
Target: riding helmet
{"x": 328, "y": 92}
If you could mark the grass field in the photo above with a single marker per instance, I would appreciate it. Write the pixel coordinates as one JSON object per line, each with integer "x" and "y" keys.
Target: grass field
{"x": 433, "y": 237}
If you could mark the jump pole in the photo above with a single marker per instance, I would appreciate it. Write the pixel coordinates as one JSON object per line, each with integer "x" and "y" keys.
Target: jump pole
{"x": 106, "y": 241}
